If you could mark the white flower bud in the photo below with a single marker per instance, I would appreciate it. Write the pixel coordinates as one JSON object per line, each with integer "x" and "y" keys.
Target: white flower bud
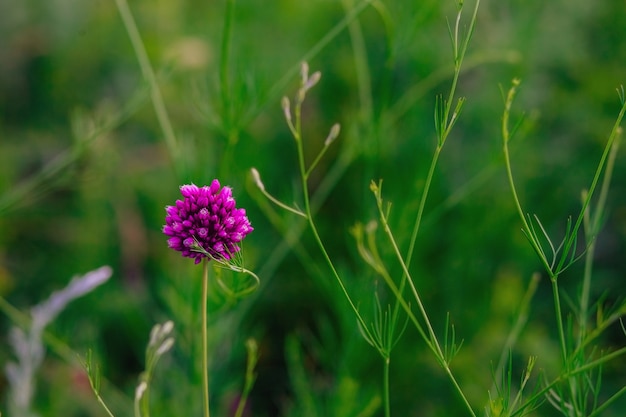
{"x": 257, "y": 179}
{"x": 332, "y": 135}
{"x": 286, "y": 108}
{"x": 313, "y": 80}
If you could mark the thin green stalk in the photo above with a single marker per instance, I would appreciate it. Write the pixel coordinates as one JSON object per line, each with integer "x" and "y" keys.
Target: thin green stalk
{"x": 592, "y": 229}
{"x": 145, "y": 398}
{"x": 307, "y": 209}
{"x": 296, "y": 130}
{"x": 458, "y": 61}
{"x": 506, "y": 136}
{"x": 520, "y": 322}
{"x": 278, "y": 87}
{"x": 420, "y": 210}
{"x": 527, "y": 228}
{"x": 360, "y": 63}
{"x": 434, "y": 342}
{"x": 148, "y": 74}
{"x": 225, "y": 65}
{"x": 386, "y": 399}
{"x": 253, "y": 356}
{"x": 444, "y": 132}
{"x": 94, "y": 382}
{"x": 612, "y": 137}
{"x": 598, "y": 411}
{"x": 596, "y": 363}
{"x": 559, "y": 320}
{"x": 205, "y": 342}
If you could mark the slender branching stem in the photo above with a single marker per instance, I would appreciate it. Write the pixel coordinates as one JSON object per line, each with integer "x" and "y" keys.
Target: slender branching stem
{"x": 296, "y": 130}
{"x": 506, "y": 136}
{"x": 432, "y": 340}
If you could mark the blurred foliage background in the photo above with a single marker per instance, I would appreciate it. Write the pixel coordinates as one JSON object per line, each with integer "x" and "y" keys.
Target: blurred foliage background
{"x": 85, "y": 174}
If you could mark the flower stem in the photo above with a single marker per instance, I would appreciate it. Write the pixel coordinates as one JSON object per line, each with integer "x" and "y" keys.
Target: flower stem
{"x": 205, "y": 349}
{"x": 387, "y": 403}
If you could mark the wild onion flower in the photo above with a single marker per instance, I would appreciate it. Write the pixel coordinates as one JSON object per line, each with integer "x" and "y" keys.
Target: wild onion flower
{"x": 206, "y": 224}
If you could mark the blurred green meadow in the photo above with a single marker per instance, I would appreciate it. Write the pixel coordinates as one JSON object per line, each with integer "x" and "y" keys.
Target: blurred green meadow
{"x": 87, "y": 167}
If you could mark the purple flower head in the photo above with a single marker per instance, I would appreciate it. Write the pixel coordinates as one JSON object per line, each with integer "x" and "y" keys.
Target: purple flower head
{"x": 206, "y": 220}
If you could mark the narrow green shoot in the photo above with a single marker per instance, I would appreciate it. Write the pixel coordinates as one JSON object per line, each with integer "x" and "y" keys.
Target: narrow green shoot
{"x": 149, "y": 76}
{"x": 205, "y": 342}
{"x": 252, "y": 350}
{"x": 429, "y": 337}
{"x": 93, "y": 374}
{"x": 575, "y": 400}
{"x": 294, "y": 123}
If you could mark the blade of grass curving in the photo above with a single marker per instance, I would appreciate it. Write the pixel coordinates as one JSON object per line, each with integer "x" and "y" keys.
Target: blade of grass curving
{"x": 149, "y": 76}
{"x": 250, "y": 377}
{"x": 225, "y": 85}
{"x": 363, "y": 76}
{"x": 279, "y": 86}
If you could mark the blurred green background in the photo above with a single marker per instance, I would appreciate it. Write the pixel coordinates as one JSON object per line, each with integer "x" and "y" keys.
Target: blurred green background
{"x": 85, "y": 174}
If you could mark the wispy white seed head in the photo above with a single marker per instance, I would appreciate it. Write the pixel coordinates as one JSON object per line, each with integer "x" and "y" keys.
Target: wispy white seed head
{"x": 48, "y": 310}
{"x": 284, "y": 103}
{"x": 332, "y": 135}
{"x": 165, "y": 346}
{"x": 257, "y": 178}
{"x": 155, "y": 334}
{"x": 314, "y": 79}
{"x": 168, "y": 326}
{"x": 304, "y": 72}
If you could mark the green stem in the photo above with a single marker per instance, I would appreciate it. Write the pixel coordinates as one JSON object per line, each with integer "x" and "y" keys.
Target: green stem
{"x": 615, "y": 132}
{"x": 559, "y": 320}
{"x": 592, "y": 230}
{"x": 506, "y": 136}
{"x": 148, "y": 74}
{"x": 433, "y": 342}
{"x": 225, "y": 68}
{"x": 252, "y": 349}
{"x": 420, "y": 210}
{"x": 205, "y": 342}
{"x": 386, "y": 399}
{"x": 297, "y": 133}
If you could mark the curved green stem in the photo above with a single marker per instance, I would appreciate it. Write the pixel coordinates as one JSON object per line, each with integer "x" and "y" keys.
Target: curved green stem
{"x": 296, "y": 130}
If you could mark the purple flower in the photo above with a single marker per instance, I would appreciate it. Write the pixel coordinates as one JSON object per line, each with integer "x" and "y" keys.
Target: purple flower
{"x": 206, "y": 220}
